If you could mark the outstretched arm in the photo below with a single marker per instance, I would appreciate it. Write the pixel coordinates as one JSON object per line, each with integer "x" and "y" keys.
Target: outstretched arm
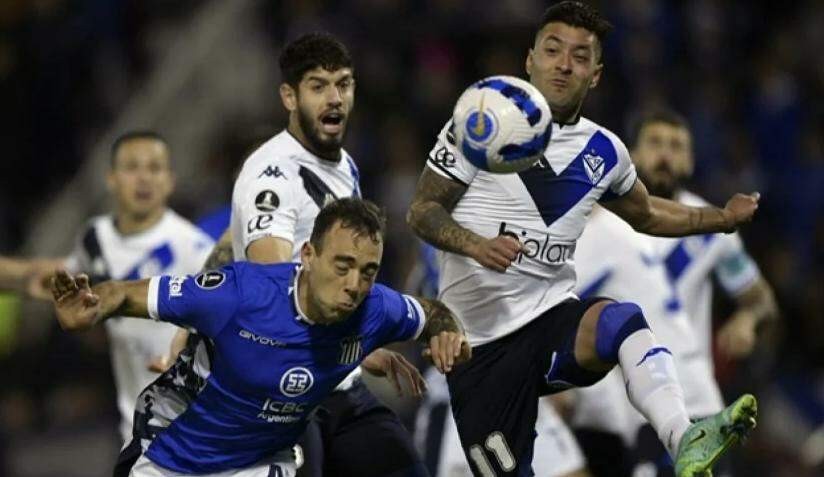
{"x": 430, "y": 216}
{"x": 80, "y": 307}
{"x": 444, "y": 335}
{"x": 657, "y": 216}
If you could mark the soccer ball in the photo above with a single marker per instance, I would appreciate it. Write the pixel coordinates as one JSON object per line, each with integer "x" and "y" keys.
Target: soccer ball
{"x": 502, "y": 124}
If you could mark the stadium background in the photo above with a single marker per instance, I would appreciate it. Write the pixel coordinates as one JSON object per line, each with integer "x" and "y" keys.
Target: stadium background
{"x": 74, "y": 74}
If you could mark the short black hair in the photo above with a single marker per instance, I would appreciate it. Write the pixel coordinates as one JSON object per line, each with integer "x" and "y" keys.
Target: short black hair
{"x": 309, "y": 52}
{"x": 361, "y": 215}
{"x": 659, "y": 114}
{"x": 577, "y": 14}
{"x": 132, "y": 135}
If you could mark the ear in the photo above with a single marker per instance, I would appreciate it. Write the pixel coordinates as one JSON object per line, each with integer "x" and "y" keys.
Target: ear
{"x": 596, "y": 78}
{"x": 289, "y": 97}
{"x": 528, "y": 65}
{"x": 307, "y": 254}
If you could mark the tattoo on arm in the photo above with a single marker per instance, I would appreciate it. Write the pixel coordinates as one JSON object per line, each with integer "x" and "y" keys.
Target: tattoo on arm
{"x": 221, "y": 255}
{"x": 430, "y": 214}
{"x": 439, "y": 318}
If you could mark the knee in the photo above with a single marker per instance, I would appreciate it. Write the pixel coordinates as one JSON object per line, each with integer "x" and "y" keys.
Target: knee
{"x": 616, "y": 322}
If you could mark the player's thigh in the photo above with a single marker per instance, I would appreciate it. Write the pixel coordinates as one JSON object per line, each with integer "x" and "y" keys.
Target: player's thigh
{"x": 309, "y": 451}
{"x": 495, "y": 400}
{"x": 372, "y": 444}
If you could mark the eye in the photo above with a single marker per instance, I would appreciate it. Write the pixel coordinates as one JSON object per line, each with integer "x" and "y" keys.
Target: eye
{"x": 551, "y": 51}
{"x": 581, "y": 58}
{"x": 341, "y": 269}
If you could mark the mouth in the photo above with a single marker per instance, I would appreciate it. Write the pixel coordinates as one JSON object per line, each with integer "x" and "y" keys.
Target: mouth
{"x": 332, "y": 122}
{"x": 559, "y": 83}
{"x": 143, "y": 195}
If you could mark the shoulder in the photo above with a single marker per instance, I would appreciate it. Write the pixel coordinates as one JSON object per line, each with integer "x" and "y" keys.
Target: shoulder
{"x": 613, "y": 138}
{"x": 273, "y": 159}
{"x": 256, "y": 282}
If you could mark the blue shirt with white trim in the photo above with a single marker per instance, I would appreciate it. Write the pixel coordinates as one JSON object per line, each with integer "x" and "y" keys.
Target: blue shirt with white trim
{"x": 270, "y": 366}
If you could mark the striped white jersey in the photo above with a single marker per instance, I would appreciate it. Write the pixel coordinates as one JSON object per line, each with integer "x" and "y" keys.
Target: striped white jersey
{"x": 546, "y": 207}
{"x": 619, "y": 263}
{"x": 172, "y": 246}
{"x": 691, "y": 262}
{"x": 280, "y": 191}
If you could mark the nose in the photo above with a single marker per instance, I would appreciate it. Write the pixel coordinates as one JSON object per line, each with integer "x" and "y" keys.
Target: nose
{"x": 564, "y": 63}
{"x": 350, "y": 284}
{"x": 334, "y": 97}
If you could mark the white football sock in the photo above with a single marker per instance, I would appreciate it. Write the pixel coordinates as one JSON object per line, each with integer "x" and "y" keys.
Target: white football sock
{"x": 653, "y": 388}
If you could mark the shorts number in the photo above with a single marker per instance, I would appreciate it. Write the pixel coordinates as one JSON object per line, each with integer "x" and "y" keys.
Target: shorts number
{"x": 496, "y": 444}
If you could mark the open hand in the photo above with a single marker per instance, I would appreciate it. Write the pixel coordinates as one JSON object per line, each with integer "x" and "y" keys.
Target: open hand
{"x": 447, "y": 349}
{"x": 386, "y": 363}
{"x": 77, "y": 307}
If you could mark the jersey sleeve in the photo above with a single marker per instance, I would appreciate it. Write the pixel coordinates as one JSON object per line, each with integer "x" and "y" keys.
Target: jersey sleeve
{"x": 205, "y": 302}
{"x": 735, "y": 269}
{"x": 402, "y": 316}
{"x": 625, "y": 174}
{"x": 446, "y": 160}
{"x": 265, "y": 201}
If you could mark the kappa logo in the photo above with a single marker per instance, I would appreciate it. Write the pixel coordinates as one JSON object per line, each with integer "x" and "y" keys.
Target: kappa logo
{"x": 594, "y": 166}
{"x": 272, "y": 172}
{"x": 296, "y": 381}
{"x": 210, "y": 280}
{"x": 267, "y": 201}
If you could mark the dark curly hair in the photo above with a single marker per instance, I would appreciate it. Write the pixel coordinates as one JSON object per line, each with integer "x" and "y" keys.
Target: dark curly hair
{"x": 577, "y": 14}
{"x": 309, "y": 52}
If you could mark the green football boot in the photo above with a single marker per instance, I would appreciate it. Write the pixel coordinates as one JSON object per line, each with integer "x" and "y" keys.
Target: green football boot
{"x": 708, "y": 439}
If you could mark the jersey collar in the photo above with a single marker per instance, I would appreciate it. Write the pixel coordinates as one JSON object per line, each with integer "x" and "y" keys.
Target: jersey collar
{"x": 300, "y": 316}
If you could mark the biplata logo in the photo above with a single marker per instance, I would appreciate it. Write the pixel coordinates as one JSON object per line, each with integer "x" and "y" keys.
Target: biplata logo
{"x": 542, "y": 249}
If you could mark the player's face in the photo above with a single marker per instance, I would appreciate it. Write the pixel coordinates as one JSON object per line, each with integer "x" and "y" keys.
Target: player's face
{"x": 342, "y": 274}
{"x": 141, "y": 178}
{"x": 324, "y": 100}
{"x": 663, "y": 156}
{"x": 564, "y": 65}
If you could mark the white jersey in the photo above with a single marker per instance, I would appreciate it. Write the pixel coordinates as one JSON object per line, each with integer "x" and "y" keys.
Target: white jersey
{"x": 281, "y": 189}
{"x": 546, "y": 207}
{"x": 691, "y": 263}
{"x": 556, "y": 452}
{"x": 617, "y": 262}
{"x": 173, "y": 246}
{"x": 279, "y": 193}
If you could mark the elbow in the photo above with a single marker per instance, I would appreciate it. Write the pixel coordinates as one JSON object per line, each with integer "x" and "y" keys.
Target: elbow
{"x": 644, "y": 222}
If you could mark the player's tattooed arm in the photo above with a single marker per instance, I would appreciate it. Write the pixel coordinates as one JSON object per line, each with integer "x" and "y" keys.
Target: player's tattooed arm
{"x": 663, "y": 217}
{"x": 222, "y": 252}
{"x": 444, "y": 336}
{"x": 430, "y": 216}
{"x": 79, "y": 306}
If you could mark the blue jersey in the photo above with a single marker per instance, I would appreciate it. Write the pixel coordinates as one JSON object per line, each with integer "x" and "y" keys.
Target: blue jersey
{"x": 270, "y": 366}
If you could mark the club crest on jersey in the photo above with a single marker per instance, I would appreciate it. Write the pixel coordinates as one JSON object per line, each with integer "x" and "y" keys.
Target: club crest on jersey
{"x": 593, "y": 166}
{"x": 296, "y": 381}
{"x": 351, "y": 350}
{"x": 176, "y": 287}
{"x": 210, "y": 280}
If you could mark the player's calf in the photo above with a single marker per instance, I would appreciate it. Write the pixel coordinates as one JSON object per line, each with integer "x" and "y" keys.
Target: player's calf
{"x": 623, "y": 337}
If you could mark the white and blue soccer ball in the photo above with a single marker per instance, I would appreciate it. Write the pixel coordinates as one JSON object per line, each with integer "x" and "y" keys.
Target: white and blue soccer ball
{"x": 502, "y": 124}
